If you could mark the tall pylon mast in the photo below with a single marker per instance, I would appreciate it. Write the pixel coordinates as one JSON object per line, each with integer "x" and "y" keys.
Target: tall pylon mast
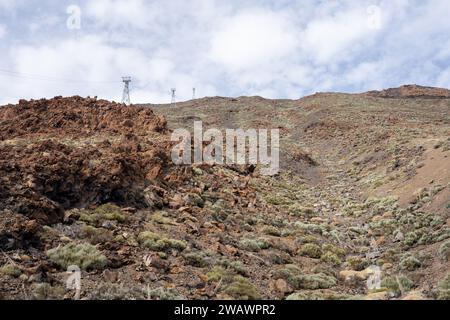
{"x": 174, "y": 96}
{"x": 126, "y": 90}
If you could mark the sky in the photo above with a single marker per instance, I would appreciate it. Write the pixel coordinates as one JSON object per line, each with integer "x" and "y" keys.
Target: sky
{"x": 270, "y": 48}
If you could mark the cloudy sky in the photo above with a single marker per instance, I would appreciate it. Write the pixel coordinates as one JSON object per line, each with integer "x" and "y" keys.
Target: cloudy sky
{"x": 272, "y": 48}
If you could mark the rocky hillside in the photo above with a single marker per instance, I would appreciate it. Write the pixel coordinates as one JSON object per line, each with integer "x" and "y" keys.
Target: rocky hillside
{"x": 411, "y": 91}
{"x": 365, "y": 183}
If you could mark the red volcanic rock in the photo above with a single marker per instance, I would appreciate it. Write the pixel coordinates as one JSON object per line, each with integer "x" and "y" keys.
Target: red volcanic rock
{"x": 73, "y": 152}
{"x": 411, "y": 91}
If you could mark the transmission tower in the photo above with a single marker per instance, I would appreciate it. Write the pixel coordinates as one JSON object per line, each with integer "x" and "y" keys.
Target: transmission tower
{"x": 126, "y": 90}
{"x": 193, "y": 93}
{"x": 174, "y": 96}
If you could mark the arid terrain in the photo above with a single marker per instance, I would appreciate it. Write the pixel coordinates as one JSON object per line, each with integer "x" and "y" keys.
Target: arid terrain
{"x": 364, "y": 187}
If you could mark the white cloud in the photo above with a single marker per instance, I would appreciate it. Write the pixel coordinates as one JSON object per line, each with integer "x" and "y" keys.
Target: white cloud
{"x": 2, "y": 31}
{"x": 8, "y": 4}
{"x": 332, "y": 38}
{"x": 252, "y": 39}
{"x": 119, "y": 13}
{"x": 444, "y": 78}
{"x": 89, "y": 66}
{"x": 273, "y": 48}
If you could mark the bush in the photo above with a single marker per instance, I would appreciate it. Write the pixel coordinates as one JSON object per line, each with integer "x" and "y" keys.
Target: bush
{"x": 444, "y": 289}
{"x": 293, "y": 275}
{"x": 83, "y": 255}
{"x": 44, "y": 291}
{"x": 237, "y": 266}
{"x": 397, "y": 284}
{"x": 411, "y": 238}
{"x": 95, "y": 235}
{"x": 300, "y": 211}
{"x": 109, "y": 212}
{"x": 331, "y": 258}
{"x": 444, "y": 251}
{"x": 309, "y": 227}
{"x": 113, "y": 291}
{"x": 155, "y": 242}
{"x": 242, "y": 289}
{"x": 311, "y": 250}
{"x": 220, "y": 274}
{"x": 164, "y": 294}
{"x": 357, "y": 263}
{"x": 254, "y": 245}
{"x": 197, "y": 259}
{"x": 410, "y": 263}
{"x": 161, "y": 217}
{"x": 11, "y": 270}
{"x": 313, "y": 295}
{"x": 272, "y": 231}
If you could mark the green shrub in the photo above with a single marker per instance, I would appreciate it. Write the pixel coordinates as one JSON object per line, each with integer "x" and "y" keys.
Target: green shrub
{"x": 164, "y": 294}
{"x": 161, "y": 217}
{"x": 114, "y": 291}
{"x": 219, "y": 273}
{"x": 331, "y": 258}
{"x": 83, "y": 255}
{"x": 254, "y": 245}
{"x": 108, "y": 212}
{"x": 339, "y": 251}
{"x": 197, "y": 259}
{"x": 300, "y": 211}
{"x": 242, "y": 289}
{"x": 237, "y": 266}
{"x": 95, "y": 235}
{"x": 444, "y": 251}
{"x": 156, "y": 242}
{"x": 272, "y": 231}
{"x": 294, "y": 276}
{"x": 44, "y": 291}
{"x": 309, "y": 227}
{"x": 412, "y": 238}
{"x": 11, "y": 270}
{"x": 397, "y": 284}
{"x": 357, "y": 263}
{"x": 410, "y": 263}
{"x": 311, "y": 250}
{"x": 193, "y": 199}
{"x": 444, "y": 289}
{"x": 314, "y": 295}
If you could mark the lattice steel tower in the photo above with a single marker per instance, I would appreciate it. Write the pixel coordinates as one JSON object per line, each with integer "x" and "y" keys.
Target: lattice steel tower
{"x": 126, "y": 90}
{"x": 193, "y": 93}
{"x": 174, "y": 96}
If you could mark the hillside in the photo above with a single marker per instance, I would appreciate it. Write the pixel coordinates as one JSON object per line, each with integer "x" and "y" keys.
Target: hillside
{"x": 364, "y": 182}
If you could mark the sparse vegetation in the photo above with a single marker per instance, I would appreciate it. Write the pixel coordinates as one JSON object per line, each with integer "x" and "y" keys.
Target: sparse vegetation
{"x": 357, "y": 263}
{"x": 83, "y": 255}
{"x": 114, "y": 291}
{"x": 106, "y": 212}
{"x": 156, "y": 242}
{"x": 197, "y": 259}
{"x": 11, "y": 270}
{"x": 254, "y": 245}
{"x": 242, "y": 289}
{"x": 410, "y": 263}
{"x": 444, "y": 251}
{"x": 365, "y": 186}
{"x": 397, "y": 284}
{"x": 331, "y": 258}
{"x": 295, "y": 277}
{"x": 311, "y": 250}
{"x": 45, "y": 291}
{"x": 444, "y": 289}
{"x": 164, "y": 294}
